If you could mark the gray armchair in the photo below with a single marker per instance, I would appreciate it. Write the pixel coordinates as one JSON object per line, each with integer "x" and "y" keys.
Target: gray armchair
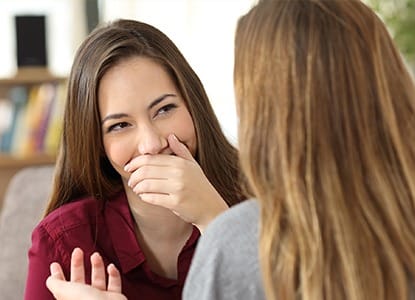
{"x": 23, "y": 206}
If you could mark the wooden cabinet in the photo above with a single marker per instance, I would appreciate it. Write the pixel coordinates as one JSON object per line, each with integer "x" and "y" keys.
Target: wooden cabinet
{"x": 10, "y": 161}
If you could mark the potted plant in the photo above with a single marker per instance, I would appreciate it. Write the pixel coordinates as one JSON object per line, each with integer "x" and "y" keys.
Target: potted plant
{"x": 399, "y": 16}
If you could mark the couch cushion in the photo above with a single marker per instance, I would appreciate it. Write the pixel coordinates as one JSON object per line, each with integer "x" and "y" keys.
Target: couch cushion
{"x": 23, "y": 207}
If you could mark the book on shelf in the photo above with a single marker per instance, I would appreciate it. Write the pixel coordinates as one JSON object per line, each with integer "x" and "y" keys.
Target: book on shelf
{"x": 38, "y": 117}
{"x": 6, "y": 118}
{"x": 34, "y": 129}
{"x": 18, "y": 98}
{"x": 48, "y": 93}
{"x": 55, "y": 124}
{"x": 22, "y": 143}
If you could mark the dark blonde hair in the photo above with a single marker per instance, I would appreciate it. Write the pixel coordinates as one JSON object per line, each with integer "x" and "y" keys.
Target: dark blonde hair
{"x": 83, "y": 168}
{"x": 327, "y": 142}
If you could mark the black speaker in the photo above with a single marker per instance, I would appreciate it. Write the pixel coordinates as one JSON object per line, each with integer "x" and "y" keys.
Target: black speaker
{"x": 92, "y": 14}
{"x": 31, "y": 41}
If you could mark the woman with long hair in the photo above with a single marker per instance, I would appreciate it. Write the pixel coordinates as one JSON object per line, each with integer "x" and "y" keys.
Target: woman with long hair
{"x": 327, "y": 144}
{"x": 326, "y": 109}
{"x": 143, "y": 165}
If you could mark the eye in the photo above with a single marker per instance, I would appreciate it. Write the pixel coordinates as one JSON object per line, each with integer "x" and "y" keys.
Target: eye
{"x": 165, "y": 109}
{"x": 117, "y": 126}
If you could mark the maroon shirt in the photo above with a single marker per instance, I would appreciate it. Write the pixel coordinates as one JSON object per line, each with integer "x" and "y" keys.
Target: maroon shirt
{"x": 110, "y": 231}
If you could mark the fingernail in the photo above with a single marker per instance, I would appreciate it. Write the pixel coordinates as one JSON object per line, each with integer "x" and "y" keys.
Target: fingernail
{"x": 127, "y": 168}
{"x": 95, "y": 256}
{"x": 53, "y": 268}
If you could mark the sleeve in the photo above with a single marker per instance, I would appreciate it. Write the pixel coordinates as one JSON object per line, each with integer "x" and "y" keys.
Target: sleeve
{"x": 226, "y": 261}
{"x": 42, "y": 253}
{"x": 204, "y": 279}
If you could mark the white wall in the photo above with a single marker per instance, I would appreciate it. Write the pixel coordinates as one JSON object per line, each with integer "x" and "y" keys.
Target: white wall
{"x": 202, "y": 29}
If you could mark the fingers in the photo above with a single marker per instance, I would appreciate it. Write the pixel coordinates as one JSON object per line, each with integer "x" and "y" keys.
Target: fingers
{"x": 167, "y": 201}
{"x": 56, "y": 271}
{"x": 155, "y": 186}
{"x": 97, "y": 272}
{"x": 56, "y": 286}
{"x": 114, "y": 279}
{"x": 160, "y": 179}
{"x": 77, "y": 266}
{"x": 66, "y": 290}
{"x": 76, "y": 288}
{"x": 159, "y": 160}
{"x": 151, "y": 172}
{"x": 179, "y": 148}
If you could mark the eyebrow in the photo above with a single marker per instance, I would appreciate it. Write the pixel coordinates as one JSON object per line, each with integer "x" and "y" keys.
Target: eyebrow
{"x": 160, "y": 99}
{"x": 152, "y": 104}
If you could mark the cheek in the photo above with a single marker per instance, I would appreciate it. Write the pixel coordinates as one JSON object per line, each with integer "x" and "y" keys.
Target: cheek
{"x": 118, "y": 154}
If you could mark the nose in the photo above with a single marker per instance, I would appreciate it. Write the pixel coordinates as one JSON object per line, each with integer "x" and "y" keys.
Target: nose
{"x": 150, "y": 141}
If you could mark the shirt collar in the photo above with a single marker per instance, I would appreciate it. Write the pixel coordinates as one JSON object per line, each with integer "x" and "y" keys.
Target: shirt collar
{"x": 121, "y": 231}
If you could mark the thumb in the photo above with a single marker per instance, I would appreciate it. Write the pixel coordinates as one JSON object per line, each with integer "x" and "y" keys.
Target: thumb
{"x": 179, "y": 148}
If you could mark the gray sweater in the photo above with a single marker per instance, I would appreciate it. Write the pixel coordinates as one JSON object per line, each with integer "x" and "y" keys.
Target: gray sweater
{"x": 226, "y": 264}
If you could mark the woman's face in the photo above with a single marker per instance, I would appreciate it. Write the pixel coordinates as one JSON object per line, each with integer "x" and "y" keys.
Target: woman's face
{"x": 140, "y": 106}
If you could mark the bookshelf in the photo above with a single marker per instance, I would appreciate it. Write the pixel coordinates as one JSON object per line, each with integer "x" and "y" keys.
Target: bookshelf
{"x": 11, "y": 162}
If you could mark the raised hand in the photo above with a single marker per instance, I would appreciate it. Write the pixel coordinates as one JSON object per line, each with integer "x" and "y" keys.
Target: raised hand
{"x": 176, "y": 182}
{"x": 77, "y": 288}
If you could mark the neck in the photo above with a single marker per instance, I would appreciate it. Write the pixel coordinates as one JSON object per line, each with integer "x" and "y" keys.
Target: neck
{"x": 160, "y": 233}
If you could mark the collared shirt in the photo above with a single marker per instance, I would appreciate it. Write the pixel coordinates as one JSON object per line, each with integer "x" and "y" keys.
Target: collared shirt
{"x": 109, "y": 231}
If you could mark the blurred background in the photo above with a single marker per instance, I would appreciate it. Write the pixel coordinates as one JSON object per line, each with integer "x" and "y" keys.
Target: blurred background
{"x": 38, "y": 42}
{"x": 399, "y": 16}
{"x": 202, "y": 29}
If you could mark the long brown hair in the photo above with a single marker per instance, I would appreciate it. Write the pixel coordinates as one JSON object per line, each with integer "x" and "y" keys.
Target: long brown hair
{"x": 82, "y": 168}
{"x": 327, "y": 142}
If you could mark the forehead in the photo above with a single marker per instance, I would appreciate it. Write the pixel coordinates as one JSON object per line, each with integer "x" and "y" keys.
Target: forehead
{"x": 138, "y": 74}
{"x": 136, "y": 69}
{"x": 135, "y": 79}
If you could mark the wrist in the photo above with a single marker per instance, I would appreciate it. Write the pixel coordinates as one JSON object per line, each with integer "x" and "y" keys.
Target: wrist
{"x": 210, "y": 217}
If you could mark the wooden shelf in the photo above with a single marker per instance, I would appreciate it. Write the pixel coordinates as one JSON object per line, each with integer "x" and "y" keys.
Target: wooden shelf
{"x": 10, "y": 161}
{"x": 31, "y": 75}
{"x": 10, "y": 164}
